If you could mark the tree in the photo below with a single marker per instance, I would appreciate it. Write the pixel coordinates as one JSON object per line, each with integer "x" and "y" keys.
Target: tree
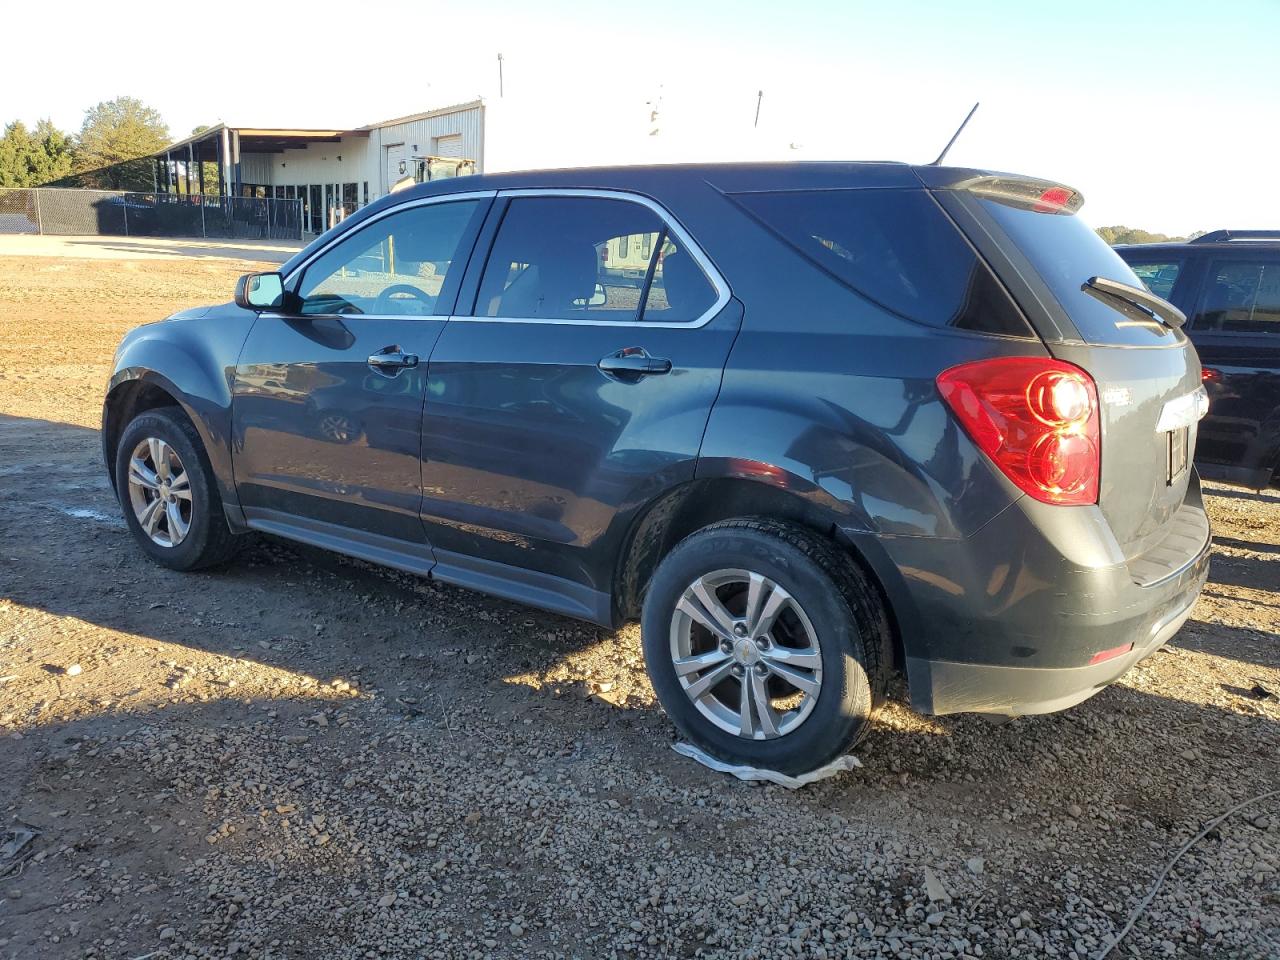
{"x": 1121, "y": 234}
{"x": 114, "y": 136}
{"x": 30, "y": 158}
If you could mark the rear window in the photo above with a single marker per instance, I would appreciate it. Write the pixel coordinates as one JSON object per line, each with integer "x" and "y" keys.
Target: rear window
{"x": 1065, "y": 252}
{"x": 893, "y": 247}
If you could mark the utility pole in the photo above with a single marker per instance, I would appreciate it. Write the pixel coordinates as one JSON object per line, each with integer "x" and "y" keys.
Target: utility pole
{"x": 500, "y": 75}
{"x": 759, "y": 97}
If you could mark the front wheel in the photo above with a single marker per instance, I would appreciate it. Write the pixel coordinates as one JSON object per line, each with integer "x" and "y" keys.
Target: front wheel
{"x": 168, "y": 493}
{"x": 765, "y": 643}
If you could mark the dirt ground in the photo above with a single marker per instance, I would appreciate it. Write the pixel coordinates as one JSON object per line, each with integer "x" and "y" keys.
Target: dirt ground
{"x": 302, "y": 756}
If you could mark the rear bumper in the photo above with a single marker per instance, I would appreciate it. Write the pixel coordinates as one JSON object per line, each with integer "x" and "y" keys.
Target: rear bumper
{"x": 1008, "y": 620}
{"x": 944, "y": 686}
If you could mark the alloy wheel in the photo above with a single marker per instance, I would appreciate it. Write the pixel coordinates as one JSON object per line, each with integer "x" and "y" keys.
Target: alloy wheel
{"x": 746, "y": 654}
{"x": 160, "y": 492}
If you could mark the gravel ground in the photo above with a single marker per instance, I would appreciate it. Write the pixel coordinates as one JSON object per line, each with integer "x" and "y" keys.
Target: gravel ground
{"x": 302, "y": 756}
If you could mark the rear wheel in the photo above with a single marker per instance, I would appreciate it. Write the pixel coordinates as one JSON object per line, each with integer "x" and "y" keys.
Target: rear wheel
{"x": 764, "y": 643}
{"x": 168, "y": 494}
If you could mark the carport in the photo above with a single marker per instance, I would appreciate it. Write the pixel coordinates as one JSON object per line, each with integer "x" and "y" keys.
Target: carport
{"x": 182, "y": 164}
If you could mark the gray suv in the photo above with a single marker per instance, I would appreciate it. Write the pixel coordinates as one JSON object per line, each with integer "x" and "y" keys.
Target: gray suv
{"x": 811, "y": 424}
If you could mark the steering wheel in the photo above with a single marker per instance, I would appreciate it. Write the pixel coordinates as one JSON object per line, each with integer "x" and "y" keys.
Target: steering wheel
{"x": 384, "y": 302}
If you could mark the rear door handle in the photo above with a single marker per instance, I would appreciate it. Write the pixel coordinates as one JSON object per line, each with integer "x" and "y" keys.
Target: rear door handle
{"x": 392, "y": 359}
{"x": 633, "y": 362}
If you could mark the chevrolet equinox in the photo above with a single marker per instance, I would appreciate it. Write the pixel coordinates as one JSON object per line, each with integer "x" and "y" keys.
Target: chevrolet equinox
{"x": 810, "y": 423}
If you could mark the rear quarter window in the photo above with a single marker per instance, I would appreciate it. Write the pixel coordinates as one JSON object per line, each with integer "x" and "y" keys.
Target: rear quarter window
{"x": 1242, "y": 297}
{"x": 895, "y": 248}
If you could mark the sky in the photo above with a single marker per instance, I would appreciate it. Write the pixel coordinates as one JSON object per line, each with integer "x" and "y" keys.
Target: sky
{"x": 1165, "y": 115}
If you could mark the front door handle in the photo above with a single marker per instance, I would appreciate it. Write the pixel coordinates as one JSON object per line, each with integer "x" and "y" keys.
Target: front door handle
{"x": 392, "y": 359}
{"x": 633, "y": 362}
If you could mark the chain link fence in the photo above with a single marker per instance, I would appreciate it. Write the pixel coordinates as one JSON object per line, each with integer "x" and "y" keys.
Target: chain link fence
{"x": 72, "y": 212}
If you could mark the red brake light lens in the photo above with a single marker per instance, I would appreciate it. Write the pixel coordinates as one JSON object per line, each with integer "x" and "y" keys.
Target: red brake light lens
{"x": 1055, "y": 198}
{"x": 1036, "y": 418}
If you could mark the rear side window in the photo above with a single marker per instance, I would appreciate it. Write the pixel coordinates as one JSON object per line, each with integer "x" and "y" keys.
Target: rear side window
{"x": 1158, "y": 277}
{"x": 1241, "y": 297}
{"x": 590, "y": 258}
{"x": 1066, "y": 253}
{"x": 893, "y": 247}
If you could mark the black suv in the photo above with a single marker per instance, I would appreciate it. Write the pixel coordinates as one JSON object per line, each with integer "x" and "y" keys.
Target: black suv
{"x": 810, "y": 423}
{"x": 1228, "y": 283}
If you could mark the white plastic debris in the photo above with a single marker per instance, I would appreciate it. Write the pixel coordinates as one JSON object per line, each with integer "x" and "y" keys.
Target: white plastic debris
{"x": 838, "y": 765}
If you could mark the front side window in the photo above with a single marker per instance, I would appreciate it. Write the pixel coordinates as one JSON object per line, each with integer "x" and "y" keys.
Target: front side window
{"x": 396, "y": 266}
{"x": 1241, "y": 297}
{"x": 584, "y": 258}
{"x": 1158, "y": 277}
{"x": 895, "y": 248}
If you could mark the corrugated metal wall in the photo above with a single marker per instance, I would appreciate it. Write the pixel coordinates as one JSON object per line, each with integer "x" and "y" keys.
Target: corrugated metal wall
{"x": 319, "y": 163}
{"x": 364, "y": 158}
{"x": 255, "y": 168}
{"x": 419, "y": 137}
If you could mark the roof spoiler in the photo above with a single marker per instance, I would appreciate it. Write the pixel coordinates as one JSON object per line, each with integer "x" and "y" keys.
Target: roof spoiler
{"x": 1220, "y": 236}
{"x": 1042, "y": 196}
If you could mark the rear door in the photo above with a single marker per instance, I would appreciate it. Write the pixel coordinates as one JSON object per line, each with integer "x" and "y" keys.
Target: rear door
{"x": 569, "y": 390}
{"x": 1235, "y": 324}
{"x": 1146, "y": 371}
{"x": 327, "y": 403}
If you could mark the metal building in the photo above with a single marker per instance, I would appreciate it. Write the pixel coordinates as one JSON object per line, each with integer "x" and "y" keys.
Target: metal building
{"x": 333, "y": 172}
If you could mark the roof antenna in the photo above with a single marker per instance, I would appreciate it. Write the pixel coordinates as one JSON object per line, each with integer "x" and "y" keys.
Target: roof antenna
{"x": 955, "y": 136}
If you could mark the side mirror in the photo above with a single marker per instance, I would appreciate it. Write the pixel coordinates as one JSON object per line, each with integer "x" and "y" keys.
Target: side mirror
{"x": 260, "y": 291}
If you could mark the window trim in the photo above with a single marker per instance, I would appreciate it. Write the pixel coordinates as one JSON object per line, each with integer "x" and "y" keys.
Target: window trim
{"x": 296, "y": 274}
{"x": 673, "y": 227}
{"x": 1211, "y": 265}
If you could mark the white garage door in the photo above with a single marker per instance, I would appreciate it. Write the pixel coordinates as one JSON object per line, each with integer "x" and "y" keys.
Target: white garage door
{"x": 395, "y": 157}
{"x": 448, "y": 146}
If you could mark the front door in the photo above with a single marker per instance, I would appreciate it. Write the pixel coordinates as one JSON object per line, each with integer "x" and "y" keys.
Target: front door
{"x": 577, "y": 388}
{"x": 327, "y": 405}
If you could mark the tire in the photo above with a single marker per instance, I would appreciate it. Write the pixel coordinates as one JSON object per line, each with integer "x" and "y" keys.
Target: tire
{"x": 207, "y": 540}
{"x": 829, "y": 601}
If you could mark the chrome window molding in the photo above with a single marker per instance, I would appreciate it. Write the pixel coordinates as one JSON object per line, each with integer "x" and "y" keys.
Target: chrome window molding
{"x": 673, "y": 226}
{"x": 716, "y": 279}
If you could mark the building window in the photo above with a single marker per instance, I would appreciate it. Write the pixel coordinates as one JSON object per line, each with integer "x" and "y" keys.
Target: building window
{"x": 366, "y": 194}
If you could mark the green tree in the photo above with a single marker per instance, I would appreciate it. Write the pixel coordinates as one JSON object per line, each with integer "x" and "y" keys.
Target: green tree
{"x": 1122, "y": 234}
{"x": 114, "y": 136}
{"x": 29, "y": 158}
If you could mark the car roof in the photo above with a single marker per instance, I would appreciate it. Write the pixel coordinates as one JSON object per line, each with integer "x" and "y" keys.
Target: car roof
{"x": 728, "y": 177}
{"x": 1184, "y": 246}
{"x": 1267, "y": 241}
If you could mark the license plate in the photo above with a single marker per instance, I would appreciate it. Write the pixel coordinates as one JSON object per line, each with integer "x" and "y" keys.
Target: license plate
{"x": 1178, "y": 441}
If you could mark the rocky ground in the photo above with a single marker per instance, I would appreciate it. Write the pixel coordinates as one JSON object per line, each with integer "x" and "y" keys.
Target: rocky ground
{"x": 302, "y": 756}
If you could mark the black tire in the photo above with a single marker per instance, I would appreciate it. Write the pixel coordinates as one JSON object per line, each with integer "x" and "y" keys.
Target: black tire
{"x": 209, "y": 541}
{"x": 842, "y": 606}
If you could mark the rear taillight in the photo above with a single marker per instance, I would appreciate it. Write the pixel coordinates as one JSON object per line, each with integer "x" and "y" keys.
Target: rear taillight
{"x": 1036, "y": 418}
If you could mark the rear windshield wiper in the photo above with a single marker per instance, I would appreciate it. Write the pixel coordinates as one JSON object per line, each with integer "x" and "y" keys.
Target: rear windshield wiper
{"x": 1144, "y": 300}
